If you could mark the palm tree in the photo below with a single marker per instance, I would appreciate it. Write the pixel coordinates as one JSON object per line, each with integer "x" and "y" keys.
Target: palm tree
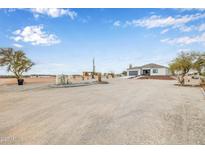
{"x": 16, "y": 62}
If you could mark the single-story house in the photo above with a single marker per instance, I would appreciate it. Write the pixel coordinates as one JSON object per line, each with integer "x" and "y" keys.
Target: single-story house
{"x": 148, "y": 70}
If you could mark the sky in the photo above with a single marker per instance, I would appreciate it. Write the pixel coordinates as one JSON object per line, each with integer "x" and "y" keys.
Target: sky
{"x": 66, "y": 40}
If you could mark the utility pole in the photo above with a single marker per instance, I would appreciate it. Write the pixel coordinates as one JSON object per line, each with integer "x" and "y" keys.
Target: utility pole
{"x": 93, "y": 74}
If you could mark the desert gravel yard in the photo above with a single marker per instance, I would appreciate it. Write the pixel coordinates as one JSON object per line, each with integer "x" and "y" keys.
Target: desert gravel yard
{"x": 122, "y": 112}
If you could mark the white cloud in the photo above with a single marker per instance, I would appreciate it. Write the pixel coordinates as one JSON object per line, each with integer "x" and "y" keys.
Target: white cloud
{"x": 164, "y": 31}
{"x": 165, "y": 40}
{"x": 36, "y": 15}
{"x": 178, "y": 22}
{"x": 186, "y": 40}
{"x": 17, "y": 45}
{"x": 158, "y": 21}
{"x": 85, "y": 19}
{"x": 54, "y": 12}
{"x": 11, "y": 10}
{"x": 116, "y": 23}
{"x": 201, "y": 27}
{"x": 184, "y": 28}
{"x": 190, "y": 9}
{"x": 35, "y": 35}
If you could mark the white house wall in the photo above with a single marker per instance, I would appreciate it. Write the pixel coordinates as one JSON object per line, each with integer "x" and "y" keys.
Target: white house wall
{"x": 161, "y": 71}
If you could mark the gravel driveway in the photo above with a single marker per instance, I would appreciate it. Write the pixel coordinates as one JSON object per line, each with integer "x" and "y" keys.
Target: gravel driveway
{"x": 122, "y": 112}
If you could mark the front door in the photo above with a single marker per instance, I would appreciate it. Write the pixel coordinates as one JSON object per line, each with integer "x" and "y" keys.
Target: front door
{"x": 146, "y": 72}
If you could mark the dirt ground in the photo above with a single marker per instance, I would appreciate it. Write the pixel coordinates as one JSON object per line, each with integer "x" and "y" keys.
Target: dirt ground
{"x": 122, "y": 112}
{"x": 203, "y": 86}
{"x": 12, "y": 81}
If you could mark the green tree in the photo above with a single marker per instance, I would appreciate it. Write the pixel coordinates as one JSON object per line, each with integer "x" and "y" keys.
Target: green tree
{"x": 181, "y": 66}
{"x": 199, "y": 62}
{"x": 124, "y": 73}
{"x": 15, "y": 61}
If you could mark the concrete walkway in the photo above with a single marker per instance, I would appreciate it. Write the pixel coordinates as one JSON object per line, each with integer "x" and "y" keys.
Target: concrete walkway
{"x": 122, "y": 112}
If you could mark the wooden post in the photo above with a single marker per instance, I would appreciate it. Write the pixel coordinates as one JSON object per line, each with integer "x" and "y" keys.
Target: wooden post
{"x": 99, "y": 77}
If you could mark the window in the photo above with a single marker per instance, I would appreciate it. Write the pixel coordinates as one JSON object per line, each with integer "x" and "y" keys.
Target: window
{"x": 155, "y": 70}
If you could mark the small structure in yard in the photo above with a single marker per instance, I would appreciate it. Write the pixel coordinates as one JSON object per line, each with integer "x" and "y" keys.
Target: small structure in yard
{"x": 63, "y": 79}
{"x": 90, "y": 75}
{"x": 109, "y": 75}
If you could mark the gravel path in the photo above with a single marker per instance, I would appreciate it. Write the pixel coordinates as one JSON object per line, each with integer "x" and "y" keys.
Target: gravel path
{"x": 122, "y": 112}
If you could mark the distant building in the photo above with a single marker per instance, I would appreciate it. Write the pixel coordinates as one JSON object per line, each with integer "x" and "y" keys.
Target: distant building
{"x": 148, "y": 70}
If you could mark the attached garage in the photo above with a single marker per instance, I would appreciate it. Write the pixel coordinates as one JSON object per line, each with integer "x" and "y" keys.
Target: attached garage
{"x": 133, "y": 73}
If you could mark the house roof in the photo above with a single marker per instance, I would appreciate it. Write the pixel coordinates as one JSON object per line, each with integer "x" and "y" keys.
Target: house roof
{"x": 151, "y": 65}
